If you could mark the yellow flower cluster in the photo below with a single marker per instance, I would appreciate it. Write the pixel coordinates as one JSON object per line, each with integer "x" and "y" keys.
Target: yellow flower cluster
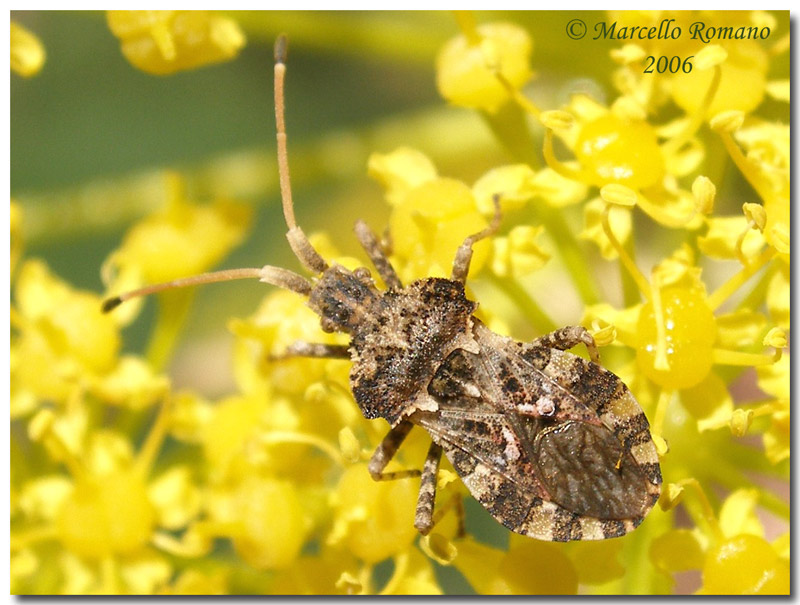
{"x": 166, "y": 41}
{"x": 123, "y": 484}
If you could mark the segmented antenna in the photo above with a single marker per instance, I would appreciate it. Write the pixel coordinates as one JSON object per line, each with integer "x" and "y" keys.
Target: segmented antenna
{"x": 298, "y": 241}
{"x": 305, "y": 252}
{"x": 276, "y": 276}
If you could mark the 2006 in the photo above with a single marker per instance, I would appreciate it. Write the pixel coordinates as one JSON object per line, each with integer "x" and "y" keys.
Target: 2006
{"x": 668, "y": 64}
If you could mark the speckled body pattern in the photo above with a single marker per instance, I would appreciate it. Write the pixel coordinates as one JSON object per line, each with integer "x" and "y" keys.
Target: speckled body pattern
{"x": 553, "y": 446}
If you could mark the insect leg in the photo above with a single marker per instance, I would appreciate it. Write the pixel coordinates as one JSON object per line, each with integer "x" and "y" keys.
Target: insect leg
{"x": 313, "y": 349}
{"x": 386, "y": 451}
{"x": 377, "y": 255}
{"x": 567, "y": 337}
{"x": 456, "y": 502}
{"x": 424, "y": 520}
{"x": 464, "y": 253}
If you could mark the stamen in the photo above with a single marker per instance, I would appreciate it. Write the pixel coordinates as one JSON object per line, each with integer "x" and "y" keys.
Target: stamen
{"x": 624, "y": 257}
{"x": 281, "y": 437}
{"x": 154, "y": 440}
{"x": 554, "y": 163}
{"x": 738, "y": 358}
{"x": 708, "y": 511}
{"x": 721, "y": 294}
{"x": 697, "y": 119}
{"x": 660, "y": 414}
{"x": 753, "y": 176}
{"x": 400, "y": 567}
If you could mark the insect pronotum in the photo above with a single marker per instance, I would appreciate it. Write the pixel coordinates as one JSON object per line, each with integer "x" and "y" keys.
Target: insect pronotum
{"x": 553, "y": 446}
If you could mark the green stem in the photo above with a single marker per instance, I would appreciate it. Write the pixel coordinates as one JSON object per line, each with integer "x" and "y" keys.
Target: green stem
{"x": 726, "y": 290}
{"x": 757, "y": 295}
{"x": 733, "y": 479}
{"x": 740, "y": 457}
{"x": 631, "y": 295}
{"x": 510, "y": 127}
{"x": 568, "y": 248}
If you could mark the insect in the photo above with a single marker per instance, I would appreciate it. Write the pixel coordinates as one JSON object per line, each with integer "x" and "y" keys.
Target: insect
{"x": 553, "y": 446}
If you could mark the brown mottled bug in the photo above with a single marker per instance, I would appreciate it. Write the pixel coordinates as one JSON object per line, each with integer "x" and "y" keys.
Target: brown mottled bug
{"x": 553, "y": 446}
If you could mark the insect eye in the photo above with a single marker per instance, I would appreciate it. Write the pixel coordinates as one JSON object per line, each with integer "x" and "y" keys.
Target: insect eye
{"x": 328, "y": 325}
{"x": 363, "y": 275}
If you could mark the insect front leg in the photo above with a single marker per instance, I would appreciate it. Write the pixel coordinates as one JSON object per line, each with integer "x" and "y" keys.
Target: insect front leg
{"x": 387, "y": 450}
{"x": 568, "y": 337}
{"x": 312, "y": 349}
{"x": 378, "y": 255}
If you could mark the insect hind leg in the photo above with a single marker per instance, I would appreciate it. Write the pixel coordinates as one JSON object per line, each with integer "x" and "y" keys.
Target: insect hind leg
{"x": 423, "y": 519}
{"x": 386, "y": 451}
{"x": 464, "y": 253}
{"x": 568, "y": 337}
{"x": 377, "y": 255}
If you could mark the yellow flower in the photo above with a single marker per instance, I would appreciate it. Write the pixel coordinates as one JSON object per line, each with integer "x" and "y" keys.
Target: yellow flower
{"x": 63, "y": 343}
{"x": 468, "y": 65}
{"x": 741, "y": 86}
{"x": 281, "y": 320}
{"x": 104, "y": 514}
{"x": 264, "y": 519}
{"x": 27, "y": 52}
{"x": 745, "y": 564}
{"x": 163, "y": 42}
{"x": 374, "y": 519}
{"x": 495, "y": 572}
{"x": 518, "y": 254}
{"x": 182, "y": 239}
{"x": 619, "y": 219}
{"x": 400, "y": 171}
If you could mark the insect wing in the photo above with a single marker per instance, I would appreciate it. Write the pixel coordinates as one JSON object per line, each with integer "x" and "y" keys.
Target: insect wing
{"x": 587, "y": 469}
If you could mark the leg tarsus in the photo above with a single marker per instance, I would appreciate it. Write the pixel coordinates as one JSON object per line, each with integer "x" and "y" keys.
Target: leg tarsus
{"x": 425, "y": 519}
{"x": 568, "y": 337}
{"x": 387, "y": 449}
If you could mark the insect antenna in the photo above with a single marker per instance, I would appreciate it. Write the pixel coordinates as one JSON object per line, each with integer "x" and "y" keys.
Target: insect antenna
{"x": 464, "y": 252}
{"x": 298, "y": 241}
{"x": 276, "y": 276}
{"x": 302, "y": 248}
